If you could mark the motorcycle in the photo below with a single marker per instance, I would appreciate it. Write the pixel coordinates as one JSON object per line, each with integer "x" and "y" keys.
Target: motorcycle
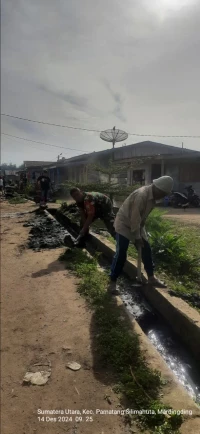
{"x": 181, "y": 200}
{"x": 192, "y": 196}
{"x": 178, "y": 200}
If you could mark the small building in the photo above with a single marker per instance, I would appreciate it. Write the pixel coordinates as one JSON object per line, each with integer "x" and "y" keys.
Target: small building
{"x": 34, "y": 169}
{"x": 142, "y": 162}
{"x": 11, "y": 175}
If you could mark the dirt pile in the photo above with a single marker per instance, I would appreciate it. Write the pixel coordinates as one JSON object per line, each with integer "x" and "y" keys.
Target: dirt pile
{"x": 45, "y": 233}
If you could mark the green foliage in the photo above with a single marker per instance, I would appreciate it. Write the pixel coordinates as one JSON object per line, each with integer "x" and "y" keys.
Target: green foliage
{"x": 29, "y": 189}
{"x": 176, "y": 251}
{"x": 156, "y": 223}
{"x": 170, "y": 249}
{"x": 17, "y": 199}
{"x": 118, "y": 347}
{"x": 114, "y": 168}
{"x": 106, "y": 188}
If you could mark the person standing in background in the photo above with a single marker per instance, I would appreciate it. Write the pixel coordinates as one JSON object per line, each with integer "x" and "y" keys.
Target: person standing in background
{"x": 45, "y": 184}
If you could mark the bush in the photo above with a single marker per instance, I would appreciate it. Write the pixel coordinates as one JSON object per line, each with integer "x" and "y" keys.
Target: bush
{"x": 106, "y": 188}
{"x": 156, "y": 222}
{"x": 170, "y": 250}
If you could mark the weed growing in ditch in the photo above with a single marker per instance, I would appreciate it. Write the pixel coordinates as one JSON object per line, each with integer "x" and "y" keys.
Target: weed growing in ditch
{"x": 119, "y": 348}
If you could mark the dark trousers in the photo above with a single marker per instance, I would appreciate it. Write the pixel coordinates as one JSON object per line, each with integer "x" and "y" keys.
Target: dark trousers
{"x": 44, "y": 195}
{"x": 120, "y": 256}
{"x": 108, "y": 220}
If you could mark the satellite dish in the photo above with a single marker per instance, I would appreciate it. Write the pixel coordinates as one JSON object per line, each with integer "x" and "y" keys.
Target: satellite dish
{"x": 113, "y": 136}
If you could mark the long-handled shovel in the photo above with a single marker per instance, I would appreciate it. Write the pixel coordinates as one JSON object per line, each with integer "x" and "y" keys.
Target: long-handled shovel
{"x": 139, "y": 263}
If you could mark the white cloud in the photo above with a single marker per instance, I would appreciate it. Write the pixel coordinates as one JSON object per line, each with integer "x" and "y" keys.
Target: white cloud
{"x": 133, "y": 64}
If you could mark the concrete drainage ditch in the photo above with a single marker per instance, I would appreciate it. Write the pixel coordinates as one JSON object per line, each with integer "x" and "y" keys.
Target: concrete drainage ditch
{"x": 47, "y": 232}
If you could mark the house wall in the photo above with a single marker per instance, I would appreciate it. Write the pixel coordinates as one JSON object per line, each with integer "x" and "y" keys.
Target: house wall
{"x": 147, "y": 168}
{"x": 189, "y": 174}
{"x": 184, "y": 174}
{"x": 172, "y": 170}
{"x": 73, "y": 172}
{"x": 33, "y": 174}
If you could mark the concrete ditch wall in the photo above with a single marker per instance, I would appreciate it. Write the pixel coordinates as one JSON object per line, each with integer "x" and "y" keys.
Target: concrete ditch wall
{"x": 183, "y": 319}
{"x": 173, "y": 394}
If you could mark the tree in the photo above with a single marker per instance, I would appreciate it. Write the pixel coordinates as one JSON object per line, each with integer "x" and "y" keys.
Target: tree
{"x": 112, "y": 187}
{"x": 21, "y": 166}
{"x": 10, "y": 166}
{"x": 114, "y": 168}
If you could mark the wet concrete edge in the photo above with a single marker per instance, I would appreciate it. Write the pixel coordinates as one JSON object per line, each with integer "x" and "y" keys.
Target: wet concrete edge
{"x": 183, "y": 319}
{"x": 173, "y": 393}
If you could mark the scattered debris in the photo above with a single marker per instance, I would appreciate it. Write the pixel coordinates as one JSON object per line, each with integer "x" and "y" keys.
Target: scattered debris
{"x": 73, "y": 366}
{"x": 45, "y": 233}
{"x": 107, "y": 398}
{"x": 38, "y": 377}
{"x": 76, "y": 390}
{"x": 15, "y": 214}
{"x": 67, "y": 350}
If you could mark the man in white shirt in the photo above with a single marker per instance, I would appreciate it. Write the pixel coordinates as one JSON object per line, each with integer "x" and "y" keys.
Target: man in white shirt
{"x": 129, "y": 226}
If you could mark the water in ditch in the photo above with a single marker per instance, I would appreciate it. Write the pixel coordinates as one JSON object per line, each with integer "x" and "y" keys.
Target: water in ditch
{"x": 162, "y": 337}
{"x": 48, "y": 233}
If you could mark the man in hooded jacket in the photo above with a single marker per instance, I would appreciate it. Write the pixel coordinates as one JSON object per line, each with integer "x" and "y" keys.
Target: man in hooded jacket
{"x": 129, "y": 226}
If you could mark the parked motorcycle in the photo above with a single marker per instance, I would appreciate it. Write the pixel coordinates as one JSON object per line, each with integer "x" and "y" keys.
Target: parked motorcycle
{"x": 178, "y": 200}
{"x": 192, "y": 196}
{"x": 181, "y": 200}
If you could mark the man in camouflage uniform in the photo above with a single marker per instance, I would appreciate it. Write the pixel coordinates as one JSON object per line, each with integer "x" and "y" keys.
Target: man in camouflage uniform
{"x": 93, "y": 206}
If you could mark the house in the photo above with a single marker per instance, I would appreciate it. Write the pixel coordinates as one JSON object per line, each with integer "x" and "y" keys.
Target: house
{"x": 143, "y": 162}
{"x": 34, "y": 169}
{"x": 11, "y": 175}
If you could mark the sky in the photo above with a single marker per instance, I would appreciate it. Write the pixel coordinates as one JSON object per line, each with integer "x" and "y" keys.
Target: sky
{"x": 133, "y": 64}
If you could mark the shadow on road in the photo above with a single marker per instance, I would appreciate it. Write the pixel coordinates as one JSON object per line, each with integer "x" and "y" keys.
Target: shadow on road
{"x": 53, "y": 267}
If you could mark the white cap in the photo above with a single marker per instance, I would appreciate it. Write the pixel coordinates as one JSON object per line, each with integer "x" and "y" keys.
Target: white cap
{"x": 165, "y": 183}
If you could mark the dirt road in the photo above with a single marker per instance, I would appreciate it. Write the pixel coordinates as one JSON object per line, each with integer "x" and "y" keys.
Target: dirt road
{"x": 45, "y": 319}
{"x": 187, "y": 217}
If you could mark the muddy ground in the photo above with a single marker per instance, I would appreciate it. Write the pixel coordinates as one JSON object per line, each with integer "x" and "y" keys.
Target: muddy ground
{"x": 44, "y": 319}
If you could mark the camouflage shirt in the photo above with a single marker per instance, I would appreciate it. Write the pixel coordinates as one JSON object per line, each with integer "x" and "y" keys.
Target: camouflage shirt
{"x": 95, "y": 203}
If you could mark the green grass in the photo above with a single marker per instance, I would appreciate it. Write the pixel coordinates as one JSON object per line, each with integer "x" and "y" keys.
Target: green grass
{"x": 17, "y": 200}
{"x": 176, "y": 252}
{"x": 119, "y": 347}
{"x": 60, "y": 201}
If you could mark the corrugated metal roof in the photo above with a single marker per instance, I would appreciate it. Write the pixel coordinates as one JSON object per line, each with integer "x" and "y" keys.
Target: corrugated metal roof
{"x": 38, "y": 163}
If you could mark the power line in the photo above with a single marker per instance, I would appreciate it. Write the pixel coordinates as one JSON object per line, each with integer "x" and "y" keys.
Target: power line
{"x": 98, "y": 131}
{"x": 48, "y": 123}
{"x": 43, "y": 143}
